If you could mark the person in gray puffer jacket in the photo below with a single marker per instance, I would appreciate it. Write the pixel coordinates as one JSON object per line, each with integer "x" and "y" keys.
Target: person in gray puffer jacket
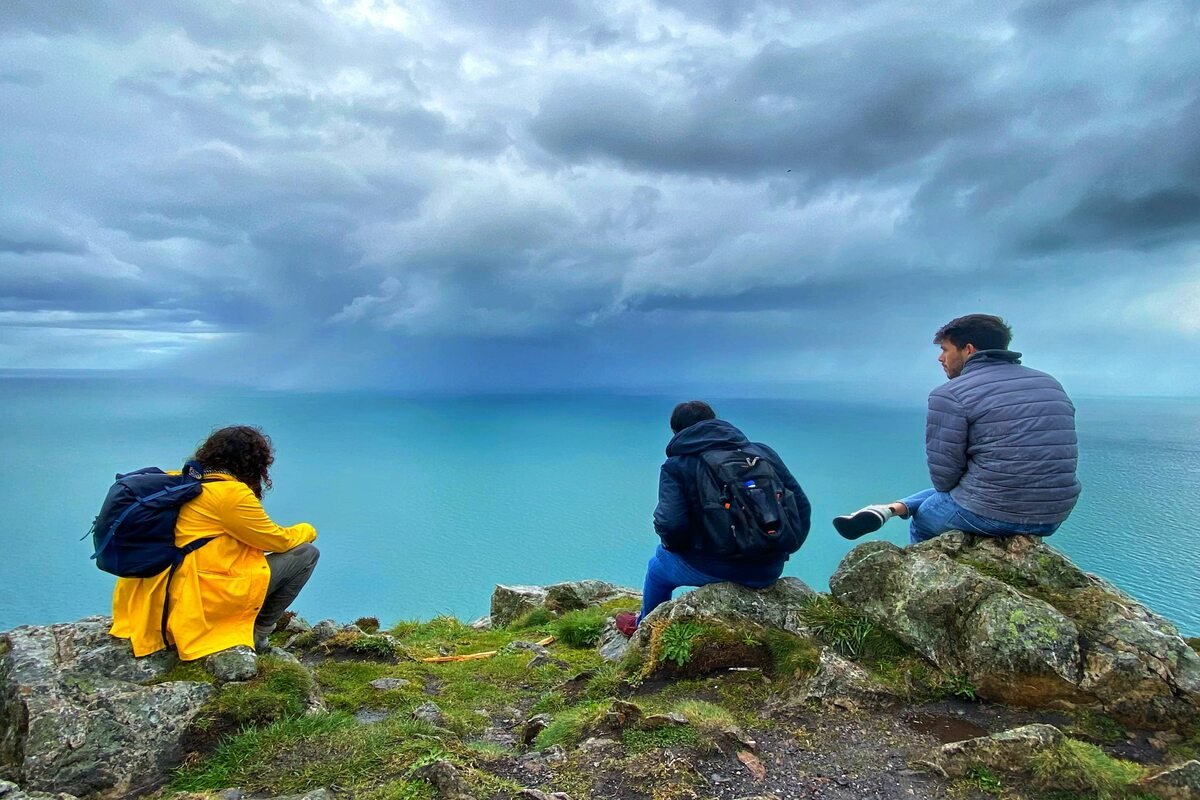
{"x": 999, "y": 439}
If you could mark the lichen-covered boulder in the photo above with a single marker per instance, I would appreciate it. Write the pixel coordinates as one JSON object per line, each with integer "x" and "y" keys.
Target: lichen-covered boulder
{"x": 717, "y": 627}
{"x": 1177, "y": 783}
{"x": 509, "y": 603}
{"x": 1006, "y": 753}
{"x": 1026, "y": 626}
{"x": 10, "y": 791}
{"x": 75, "y": 718}
{"x": 777, "y": 606}
{"x": 235, "y": 664}
{"x": 837, "y": 682}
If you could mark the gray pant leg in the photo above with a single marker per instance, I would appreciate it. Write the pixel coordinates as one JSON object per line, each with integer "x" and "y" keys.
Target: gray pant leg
{"x": 290, "y": 570}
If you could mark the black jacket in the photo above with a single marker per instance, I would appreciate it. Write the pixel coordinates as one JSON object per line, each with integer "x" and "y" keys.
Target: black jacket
{"x": 678, "y": 495}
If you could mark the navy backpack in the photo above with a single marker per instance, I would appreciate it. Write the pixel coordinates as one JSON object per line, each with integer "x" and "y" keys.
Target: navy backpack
{"x": 134, "y": 533}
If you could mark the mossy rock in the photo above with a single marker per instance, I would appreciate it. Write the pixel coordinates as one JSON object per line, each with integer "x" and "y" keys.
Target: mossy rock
{"x": 680, "y": 649}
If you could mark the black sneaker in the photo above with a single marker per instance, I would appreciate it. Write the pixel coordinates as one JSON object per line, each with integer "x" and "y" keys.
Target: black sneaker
{"x": 864, "y": 521}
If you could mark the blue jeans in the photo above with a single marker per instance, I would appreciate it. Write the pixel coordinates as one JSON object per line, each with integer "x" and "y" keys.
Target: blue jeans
{"x": 667, "y": 571}
{"x": 934, "y": 513}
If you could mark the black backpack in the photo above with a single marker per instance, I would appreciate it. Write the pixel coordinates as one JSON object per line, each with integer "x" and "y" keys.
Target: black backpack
{"x": 134, "y": 533}
{"x": 746, "y": 511}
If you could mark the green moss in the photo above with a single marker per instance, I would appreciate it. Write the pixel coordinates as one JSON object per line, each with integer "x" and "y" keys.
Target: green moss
{"x": 5, "y": 645}
{"x": 1078, "y": 766}
{"x": 1192, "y": 642}
{"x": 580, "y": 628}
{"x": 848, "y": 632}
{"x": 297, "y": 755}
{"x": 1096, "y": 727}
{"x": 610, "y": 608}
{"x": 279, "y": 692}
{"x": 185, "y": 671}
{"x": 376, "y": 646}
{"x": 706, "y": 716}
{"x": 346, "y": 684}
{"x": 1001, "y": 573}
{"x": 792, "y": 655}
{"x": 639, "y": 741}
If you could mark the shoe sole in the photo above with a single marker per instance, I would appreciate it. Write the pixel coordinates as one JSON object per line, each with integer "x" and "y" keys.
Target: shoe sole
{"x": 860, "y": 523}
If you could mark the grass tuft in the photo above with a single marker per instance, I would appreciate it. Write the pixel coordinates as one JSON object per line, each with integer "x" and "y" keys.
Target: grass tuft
{"x": 368, "y": 624}
{"x": 1078, "y": 766}
{"x": 567, "y": 728}
{"x": 849, "y": 633}
{"x": 279, "y": 692}
{"x": 580, "y": 628}
{"x": 537, "y": 618}
{"x": 792, "y": 655}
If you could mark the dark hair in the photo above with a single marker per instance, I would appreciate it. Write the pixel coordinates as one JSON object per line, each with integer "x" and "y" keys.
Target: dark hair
{"x": 245, "y": 453}
{"x": 688, "y": 414}
{"x": 982, "y": 330}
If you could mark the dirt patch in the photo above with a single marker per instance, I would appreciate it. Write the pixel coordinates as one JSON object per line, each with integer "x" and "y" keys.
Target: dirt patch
{"x": 944, "y": 728}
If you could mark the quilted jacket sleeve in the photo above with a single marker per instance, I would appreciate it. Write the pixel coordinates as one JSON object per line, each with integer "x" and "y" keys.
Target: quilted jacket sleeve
{"x": 945, "y": 440}
{"x": 671, "y": 513}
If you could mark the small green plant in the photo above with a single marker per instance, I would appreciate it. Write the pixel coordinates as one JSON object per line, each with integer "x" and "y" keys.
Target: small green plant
{"x": 1194, "y": 643}
{"x": 985, "y": 780}
{"x": 959, "y": 686}
{"x": 368, "y": 624}
{"x": 434, "y": 755}
{"x": 580, "y": 628}
{"x": 677, "y": 641}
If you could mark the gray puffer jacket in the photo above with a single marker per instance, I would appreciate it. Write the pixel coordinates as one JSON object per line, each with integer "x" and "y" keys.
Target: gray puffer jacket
{"x": 1000, "y": 438}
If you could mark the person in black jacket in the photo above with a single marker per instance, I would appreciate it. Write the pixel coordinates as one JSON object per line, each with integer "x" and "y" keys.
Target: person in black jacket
{"x": 680, "y": 560}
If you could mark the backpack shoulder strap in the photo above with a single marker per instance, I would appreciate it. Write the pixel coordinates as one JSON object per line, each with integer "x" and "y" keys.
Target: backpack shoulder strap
{"x": 190, "y": 547}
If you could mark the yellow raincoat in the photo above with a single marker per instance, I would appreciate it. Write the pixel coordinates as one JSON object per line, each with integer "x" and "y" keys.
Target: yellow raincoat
{"x": 217, "y": 591}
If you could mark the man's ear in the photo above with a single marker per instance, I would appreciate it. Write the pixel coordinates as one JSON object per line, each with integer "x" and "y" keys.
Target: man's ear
{"x": 970, "y": 349}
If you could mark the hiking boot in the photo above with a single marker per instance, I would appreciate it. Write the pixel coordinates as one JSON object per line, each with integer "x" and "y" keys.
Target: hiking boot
{"x": 261, "y": 643}
{"x": 627, "y": 623}
{"x": 864, "y": 521}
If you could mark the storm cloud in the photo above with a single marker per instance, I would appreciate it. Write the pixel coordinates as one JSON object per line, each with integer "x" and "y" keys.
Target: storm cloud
{"x": 734, "y": 196}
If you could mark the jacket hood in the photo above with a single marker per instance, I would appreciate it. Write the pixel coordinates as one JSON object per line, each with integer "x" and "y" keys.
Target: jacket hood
{"x": 984, "y": 357}
{"x": 709, "y": 434}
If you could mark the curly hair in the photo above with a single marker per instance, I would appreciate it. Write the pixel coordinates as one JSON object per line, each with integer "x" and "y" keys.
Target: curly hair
{"x": 244, "y": 452}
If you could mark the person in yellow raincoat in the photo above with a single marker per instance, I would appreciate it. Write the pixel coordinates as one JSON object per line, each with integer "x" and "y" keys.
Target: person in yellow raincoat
{"x": 234, "y": 589}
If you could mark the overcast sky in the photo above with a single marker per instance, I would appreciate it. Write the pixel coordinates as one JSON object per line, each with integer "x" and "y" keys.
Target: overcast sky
{"x": 722, "y": 196}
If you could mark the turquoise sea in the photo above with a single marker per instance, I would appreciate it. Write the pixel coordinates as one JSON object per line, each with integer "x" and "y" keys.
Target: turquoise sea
{"x": 422, "y": 504}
